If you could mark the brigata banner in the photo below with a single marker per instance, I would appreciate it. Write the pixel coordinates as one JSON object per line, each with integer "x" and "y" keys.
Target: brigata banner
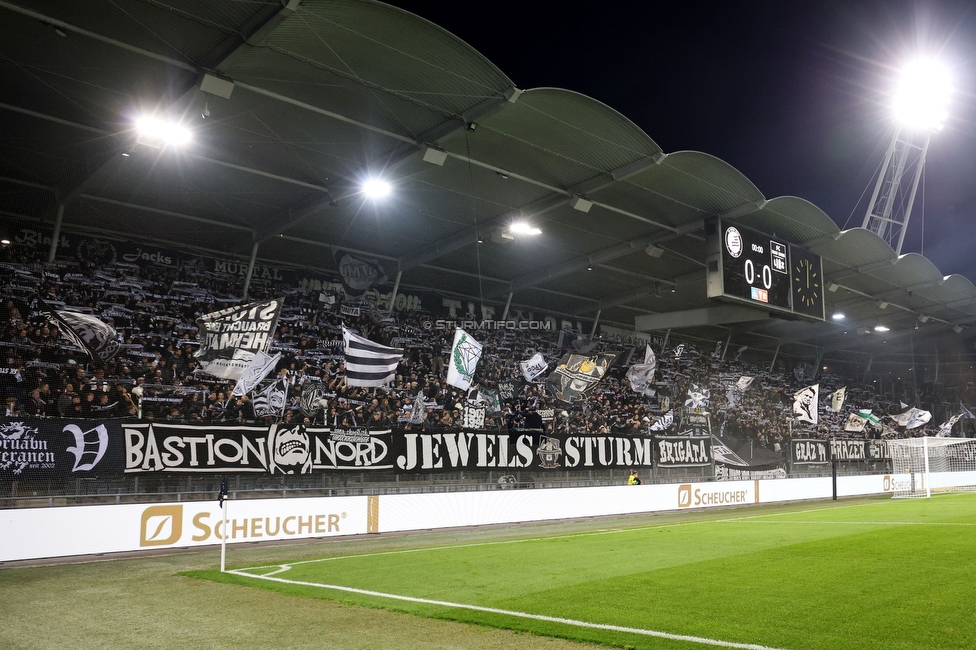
{"x": 49, "y": 448}
{"x": 810, "y": 452}
{"x": 682, "y": 451}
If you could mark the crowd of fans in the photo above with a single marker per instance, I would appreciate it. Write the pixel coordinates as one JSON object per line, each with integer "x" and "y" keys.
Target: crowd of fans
{"x": 155, "y": 376}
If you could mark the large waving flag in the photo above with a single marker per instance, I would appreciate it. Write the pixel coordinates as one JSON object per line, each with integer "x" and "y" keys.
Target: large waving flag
{"x": 533, "y": 367}
{"x": 465, "y": 354}
{"x": 87, "y": 332}
{"x": 369, "y": 364}
{"x": 271, "y": 400}
{"x": 577, "y": 374}
{"x": 837, "y": 399}
{"x": 230, "y": 338}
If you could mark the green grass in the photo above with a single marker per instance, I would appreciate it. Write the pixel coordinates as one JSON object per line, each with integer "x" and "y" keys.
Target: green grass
{"x": 869, "y": 574}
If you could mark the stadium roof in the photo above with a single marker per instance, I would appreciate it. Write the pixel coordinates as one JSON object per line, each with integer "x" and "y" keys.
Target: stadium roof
{"x": 306, "y": 99}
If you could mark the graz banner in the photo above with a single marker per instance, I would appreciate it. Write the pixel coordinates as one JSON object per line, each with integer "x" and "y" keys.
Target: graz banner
{"x": 42, "y": 448}
{"x": 682, "y": 451}
{"x": 810, "y": 452}
{"x": 299, "y": 449}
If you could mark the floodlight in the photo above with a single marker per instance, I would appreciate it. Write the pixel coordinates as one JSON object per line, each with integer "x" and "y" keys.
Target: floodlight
{"x": 158, "y": 133}
{"x": 5, "y": 242}
{"x": 881, "y": 328}
{"x": 922, "y": 98}
{"x": 838, "y": 315}
{"x": 523, "y": 228}
{"x": 376, "y": 188}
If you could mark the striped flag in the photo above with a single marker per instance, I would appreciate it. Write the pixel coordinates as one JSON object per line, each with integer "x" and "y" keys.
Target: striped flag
{"x": 369, "y": 364}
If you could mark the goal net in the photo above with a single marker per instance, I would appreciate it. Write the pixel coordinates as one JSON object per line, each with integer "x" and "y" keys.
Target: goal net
{"x": 921, "y": 466}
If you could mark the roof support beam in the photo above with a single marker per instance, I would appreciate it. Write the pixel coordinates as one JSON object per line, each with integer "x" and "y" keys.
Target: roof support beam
{"x": 719, "y": 315}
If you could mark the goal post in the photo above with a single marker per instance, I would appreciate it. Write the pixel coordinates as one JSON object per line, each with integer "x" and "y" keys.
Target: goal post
{"x": 921, "y": 466}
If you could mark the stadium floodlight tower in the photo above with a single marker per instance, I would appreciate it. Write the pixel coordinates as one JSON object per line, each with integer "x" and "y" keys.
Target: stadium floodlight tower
{"x": 920, "y": 108}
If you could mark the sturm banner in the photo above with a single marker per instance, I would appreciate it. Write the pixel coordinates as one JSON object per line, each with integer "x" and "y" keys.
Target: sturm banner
{"x": 49, "y": 448}
{"x": 230, "y": 338}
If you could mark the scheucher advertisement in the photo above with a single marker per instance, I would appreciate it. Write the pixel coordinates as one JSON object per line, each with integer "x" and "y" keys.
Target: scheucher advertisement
{"x": 202, "y": 523}
{"x": 708, "y": 495}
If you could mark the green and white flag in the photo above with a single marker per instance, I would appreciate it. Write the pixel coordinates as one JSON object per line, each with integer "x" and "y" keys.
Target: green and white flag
{"x": 866, "y": 414}
{"x": 465, "y": 355}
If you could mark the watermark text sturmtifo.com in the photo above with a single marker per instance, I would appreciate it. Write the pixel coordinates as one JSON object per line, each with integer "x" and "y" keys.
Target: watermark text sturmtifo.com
{"x": 488, "y": 325}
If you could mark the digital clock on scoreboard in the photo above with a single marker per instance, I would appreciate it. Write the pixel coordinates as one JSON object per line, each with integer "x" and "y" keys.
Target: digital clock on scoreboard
{"x": 747, "y": 266}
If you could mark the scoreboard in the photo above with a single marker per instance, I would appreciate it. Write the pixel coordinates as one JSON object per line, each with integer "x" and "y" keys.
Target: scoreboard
{"x": 746, "y": 266}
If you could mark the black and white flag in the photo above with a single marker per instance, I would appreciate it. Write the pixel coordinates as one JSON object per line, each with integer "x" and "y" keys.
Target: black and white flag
{"x": 271, "y": 400}
{"x": 369, "y": 364}
{"x": 533, "y": 367}
{"x": 473, "y": 417}
{"x": 917, "y": 417}
{"x": 230, "y": 338}
{"x": 946, "y": 429}
{"x": 640, "y": 375}
{"x": 698, "y": 397}
{"x": 87, "y": 332}
{"x": 419, "y": 409}
{"x": 837, "y": 399}
{"x": 805, "y": 403}
{"x": 256, "y": 371}
{"x": 576, "y": 375}
{"x": 664, "y": 423}
{"x": 312, "y": 402}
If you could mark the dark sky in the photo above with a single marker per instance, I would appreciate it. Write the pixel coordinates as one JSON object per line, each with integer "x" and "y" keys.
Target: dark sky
{"x": 793, "y": 94}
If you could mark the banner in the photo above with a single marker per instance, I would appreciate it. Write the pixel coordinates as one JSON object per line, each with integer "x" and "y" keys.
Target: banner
{"x": 847, "y": 450}
{"x": 230, "y": 338}
{"x": 50, "y": 448}
{"x": 294, "y": 449}
{"x": 359, "y": 274}
{"x": 810, "y": 452}
{"x": 533, "y": 367}
{"x": 473, "y": 416}
{"x": 507, "y": 390}
{"x": 352, "y": 312}
{"x": 805, "y": 402}
{"x": 682, "y": 451}
{"x": 255, "y": 373}
{"x": 87, "y": 332}
{"x": 855, "y": 423}
{"x": 576, "y": 375}
{"x": 465, "y": 354}
{"x": 945, "y": 430}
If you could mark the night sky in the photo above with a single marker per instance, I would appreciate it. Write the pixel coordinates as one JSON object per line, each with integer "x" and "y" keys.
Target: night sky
{"x": 793, "y": 94}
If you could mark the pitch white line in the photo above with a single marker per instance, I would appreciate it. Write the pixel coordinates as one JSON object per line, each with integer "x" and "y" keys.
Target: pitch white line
{"x": 853, "y": 523}
{"x": 537, "y": 617}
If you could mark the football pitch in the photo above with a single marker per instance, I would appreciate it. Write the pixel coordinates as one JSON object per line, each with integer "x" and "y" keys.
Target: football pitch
{"x": 880, "y": 573}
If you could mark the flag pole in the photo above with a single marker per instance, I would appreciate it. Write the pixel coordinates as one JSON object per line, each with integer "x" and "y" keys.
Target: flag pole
{"x": 223, "y": 539}
{"x": 222, "y": 500}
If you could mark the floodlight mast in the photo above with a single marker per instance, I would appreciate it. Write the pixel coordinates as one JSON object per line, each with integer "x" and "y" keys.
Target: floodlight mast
{"x": 920, "y": 110}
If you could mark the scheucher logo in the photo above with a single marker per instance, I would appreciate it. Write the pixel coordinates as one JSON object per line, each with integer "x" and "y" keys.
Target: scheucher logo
{"x": 887, "y": 484}
{"x": 684, "y": 496}
{"x": 161, "y": 525}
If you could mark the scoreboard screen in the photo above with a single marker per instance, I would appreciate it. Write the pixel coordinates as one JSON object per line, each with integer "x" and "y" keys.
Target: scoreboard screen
{"x": 747, "y": 266}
